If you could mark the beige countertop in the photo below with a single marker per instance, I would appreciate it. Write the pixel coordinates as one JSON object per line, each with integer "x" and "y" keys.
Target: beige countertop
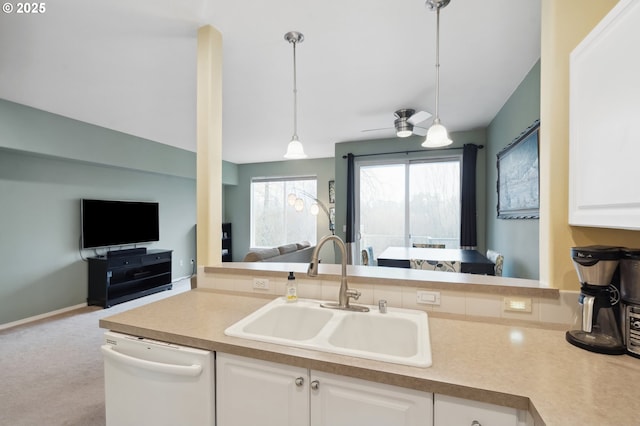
{"x": 528, "y": 368}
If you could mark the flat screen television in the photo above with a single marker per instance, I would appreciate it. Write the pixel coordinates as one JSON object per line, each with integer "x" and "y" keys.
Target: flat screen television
{"x": 107, "y": 223}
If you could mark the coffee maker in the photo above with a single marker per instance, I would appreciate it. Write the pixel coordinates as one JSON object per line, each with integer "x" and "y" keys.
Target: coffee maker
{"x": 596, "y": 328}
{"x": 630, "y": 292}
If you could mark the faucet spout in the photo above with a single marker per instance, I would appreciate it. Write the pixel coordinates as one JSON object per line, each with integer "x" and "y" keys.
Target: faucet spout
{"x": 345, "y": 292}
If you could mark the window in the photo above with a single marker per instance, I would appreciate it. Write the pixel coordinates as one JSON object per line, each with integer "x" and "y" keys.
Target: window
{"x": 274, "y": 220}
{"x": 405, "y": 202}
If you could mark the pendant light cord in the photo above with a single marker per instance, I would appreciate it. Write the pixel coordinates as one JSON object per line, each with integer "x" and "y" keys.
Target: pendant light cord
{"x": 437, "y": 119}
{"x": 295, "y": 95}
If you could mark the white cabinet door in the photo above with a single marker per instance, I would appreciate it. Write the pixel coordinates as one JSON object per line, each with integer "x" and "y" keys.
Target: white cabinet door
{"x": 448, "y": 410}
{"x": 604, "y": 111}
{"x": 254, "y": 392}
{"x": 344, "y": 401}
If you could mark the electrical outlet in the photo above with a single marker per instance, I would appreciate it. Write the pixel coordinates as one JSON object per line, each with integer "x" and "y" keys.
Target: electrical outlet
{"x": 193, "y": 261}
{"x": 428, "y": 297}
{"x": 261, "y": 283}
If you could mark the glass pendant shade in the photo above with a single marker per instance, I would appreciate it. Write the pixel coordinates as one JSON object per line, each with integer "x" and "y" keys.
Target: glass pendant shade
{"x": 291, "y": 199}
{"x": 314, "y": 209}
{"x": 299, "y": 205}
{"x": 437, "y": 136}
{"x": 295, "y": 150}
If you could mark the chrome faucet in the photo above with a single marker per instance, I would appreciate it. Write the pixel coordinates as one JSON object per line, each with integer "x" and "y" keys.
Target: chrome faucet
{"x": 345, "y": 292}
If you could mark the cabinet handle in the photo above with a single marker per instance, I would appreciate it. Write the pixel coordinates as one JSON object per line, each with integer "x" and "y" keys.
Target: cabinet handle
{"x": 476, "y": 423}
{"x": 299, "y": 381}
{"x": 315, "y": 385}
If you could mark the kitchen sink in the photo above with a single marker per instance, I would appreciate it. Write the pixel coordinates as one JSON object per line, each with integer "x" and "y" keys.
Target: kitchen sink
{"x": 381, "y": 334}
{"x": 290, "y": 321}
{"x": 399, "y": 336}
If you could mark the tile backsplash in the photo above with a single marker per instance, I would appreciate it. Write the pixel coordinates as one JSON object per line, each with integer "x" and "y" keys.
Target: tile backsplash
{"x": 551, "y": 311}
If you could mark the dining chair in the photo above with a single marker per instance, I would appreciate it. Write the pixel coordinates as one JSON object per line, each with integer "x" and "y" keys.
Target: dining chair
{"x": 435, "y": 265}
{"x": 367, "y": 256}
{"x": 364, "y": 259}
{"x": 498, "y": 260}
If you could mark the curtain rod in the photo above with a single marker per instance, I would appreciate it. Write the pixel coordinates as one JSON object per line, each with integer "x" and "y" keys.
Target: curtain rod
{"x": 407, "y": 152}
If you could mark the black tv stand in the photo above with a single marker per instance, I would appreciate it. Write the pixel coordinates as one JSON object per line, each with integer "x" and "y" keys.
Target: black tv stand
{"x": 120, "y": 277}
{"x": 126, "y": 252}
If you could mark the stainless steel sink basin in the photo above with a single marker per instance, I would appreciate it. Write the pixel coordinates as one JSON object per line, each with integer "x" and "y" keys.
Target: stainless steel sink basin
{"x": 399, "y": 336}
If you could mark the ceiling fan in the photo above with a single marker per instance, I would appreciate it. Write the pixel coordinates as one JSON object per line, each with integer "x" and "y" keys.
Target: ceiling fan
{"x": 406, "y": 123}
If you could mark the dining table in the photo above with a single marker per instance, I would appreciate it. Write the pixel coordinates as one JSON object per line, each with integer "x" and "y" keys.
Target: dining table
{"x": 471, "y": 261}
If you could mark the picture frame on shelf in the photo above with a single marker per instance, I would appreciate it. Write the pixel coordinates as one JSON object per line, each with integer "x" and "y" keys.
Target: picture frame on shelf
{"x": 518, "y": 182}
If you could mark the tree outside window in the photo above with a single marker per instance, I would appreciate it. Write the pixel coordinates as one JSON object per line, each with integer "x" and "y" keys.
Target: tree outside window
{"x": 276, "y": 221}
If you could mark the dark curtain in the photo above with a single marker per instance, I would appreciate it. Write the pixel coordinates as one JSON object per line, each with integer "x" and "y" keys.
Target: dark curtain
{"x": 468, "y": 234}
{"x": 351, "y": 204}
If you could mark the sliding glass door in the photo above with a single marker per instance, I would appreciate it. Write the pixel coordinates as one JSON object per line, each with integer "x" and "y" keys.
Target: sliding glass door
{"x": 400, "y": 203}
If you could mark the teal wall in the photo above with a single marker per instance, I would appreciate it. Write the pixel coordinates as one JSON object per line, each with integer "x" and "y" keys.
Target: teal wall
{"x": 30, "y": 130}
{"x": 237, "y": 198}
{"x": 229, "y": 173}
{"x": 47, "y": 164}
{"x": 516, "y": 239}
{"x": 412, "y": 143}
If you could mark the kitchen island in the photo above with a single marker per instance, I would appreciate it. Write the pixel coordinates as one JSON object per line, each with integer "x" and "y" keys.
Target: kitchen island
{"x": 527, "y": 367}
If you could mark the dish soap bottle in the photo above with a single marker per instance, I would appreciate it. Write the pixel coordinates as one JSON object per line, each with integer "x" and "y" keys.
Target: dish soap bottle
{"x": 291, "y": 292}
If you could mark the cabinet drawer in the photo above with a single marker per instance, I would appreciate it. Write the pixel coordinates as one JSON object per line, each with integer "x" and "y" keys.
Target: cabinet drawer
{"x": 448, "y": 410}
{"x": 116, "y": 262}
{"x": 150, "y": 259}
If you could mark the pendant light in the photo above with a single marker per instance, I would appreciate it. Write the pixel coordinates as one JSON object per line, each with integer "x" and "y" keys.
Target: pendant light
{"x": 295, "y": 150}
{"x": 437, "y": 135}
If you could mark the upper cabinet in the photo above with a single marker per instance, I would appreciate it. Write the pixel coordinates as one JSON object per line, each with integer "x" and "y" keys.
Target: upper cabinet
{"x": 604, "y": 154}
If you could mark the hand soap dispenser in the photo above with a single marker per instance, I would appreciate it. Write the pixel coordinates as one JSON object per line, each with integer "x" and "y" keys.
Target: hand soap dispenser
{"x": 292, "y": 288}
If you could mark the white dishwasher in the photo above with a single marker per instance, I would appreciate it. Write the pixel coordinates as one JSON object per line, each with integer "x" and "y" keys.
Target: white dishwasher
{"x": 157, "y": 383}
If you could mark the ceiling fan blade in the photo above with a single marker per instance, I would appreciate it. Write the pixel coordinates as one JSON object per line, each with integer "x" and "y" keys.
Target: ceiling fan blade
{"x": 378, "y": 130}
{"x": 418, "y": 117}
{"x": 420, "y": 131}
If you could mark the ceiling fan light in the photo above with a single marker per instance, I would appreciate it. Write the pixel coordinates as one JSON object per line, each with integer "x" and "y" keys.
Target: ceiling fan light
{"x": 403, "y": 127}
{"x": 295, "y": 150}
{"x": 437, "y": 136}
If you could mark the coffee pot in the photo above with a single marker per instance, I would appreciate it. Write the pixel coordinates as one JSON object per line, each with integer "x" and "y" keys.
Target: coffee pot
{"x": 596, "y": 327}
{"x": 630, "y": 292}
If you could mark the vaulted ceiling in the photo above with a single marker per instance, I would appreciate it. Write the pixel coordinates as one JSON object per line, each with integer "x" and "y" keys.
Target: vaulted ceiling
{"x": 131, "y": 66}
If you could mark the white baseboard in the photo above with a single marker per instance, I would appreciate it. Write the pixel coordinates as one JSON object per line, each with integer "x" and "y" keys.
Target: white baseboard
{"x": 61, "y": 311}
{"x": 41, "y": 316}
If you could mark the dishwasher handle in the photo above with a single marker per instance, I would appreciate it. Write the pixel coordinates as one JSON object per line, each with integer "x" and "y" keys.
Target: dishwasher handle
{"x": 159, "y": 367}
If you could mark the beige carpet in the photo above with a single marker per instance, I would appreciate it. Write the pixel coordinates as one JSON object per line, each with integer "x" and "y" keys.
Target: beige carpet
{"x": 51, "y": 371}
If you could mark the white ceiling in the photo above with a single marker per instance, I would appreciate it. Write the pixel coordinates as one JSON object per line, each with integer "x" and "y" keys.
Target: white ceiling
{"x": 130, "y": 65}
